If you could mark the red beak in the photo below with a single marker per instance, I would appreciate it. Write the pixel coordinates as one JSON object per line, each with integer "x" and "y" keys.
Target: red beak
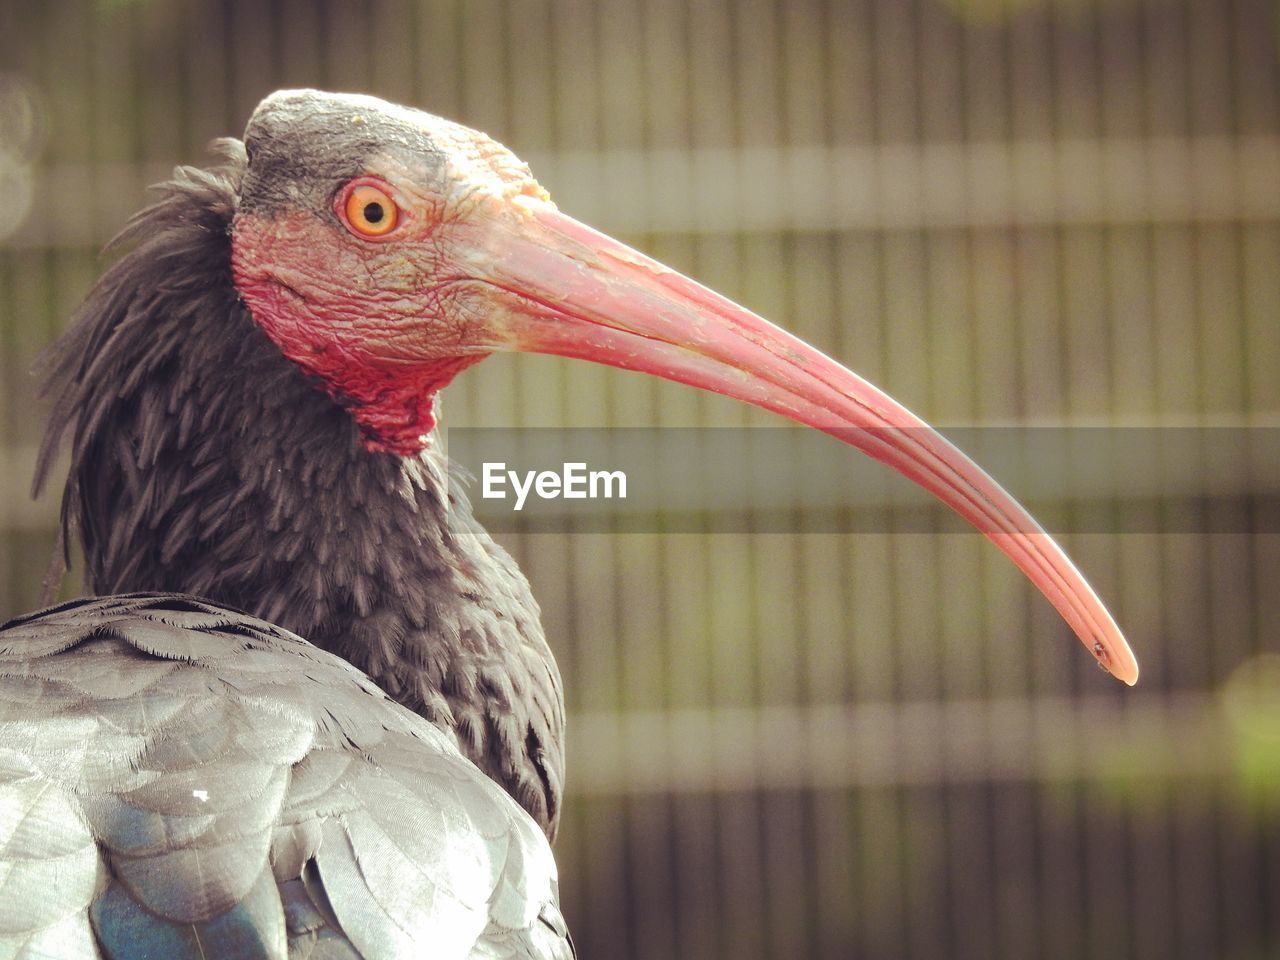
{"x": 574, "y": 292}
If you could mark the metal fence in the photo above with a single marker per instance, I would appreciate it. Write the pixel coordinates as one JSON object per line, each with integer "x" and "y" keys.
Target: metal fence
{"x": 807, "y": 744}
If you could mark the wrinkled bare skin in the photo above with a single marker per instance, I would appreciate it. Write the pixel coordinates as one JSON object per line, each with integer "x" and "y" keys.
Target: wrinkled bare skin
{"x": 384, "y": 322}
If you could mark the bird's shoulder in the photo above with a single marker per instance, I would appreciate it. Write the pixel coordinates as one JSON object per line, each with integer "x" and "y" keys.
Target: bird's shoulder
{"x": 175, "y": 774}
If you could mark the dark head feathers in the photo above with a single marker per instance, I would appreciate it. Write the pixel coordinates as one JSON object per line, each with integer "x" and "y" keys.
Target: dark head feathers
{"x": 205, "y": 462}
{"x": 180, "y": 251}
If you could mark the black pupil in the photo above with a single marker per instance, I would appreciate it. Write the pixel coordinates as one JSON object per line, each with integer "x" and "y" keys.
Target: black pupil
{"x": 373, "y": 212}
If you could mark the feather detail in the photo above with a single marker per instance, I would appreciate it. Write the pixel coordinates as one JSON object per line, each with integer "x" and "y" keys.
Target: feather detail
{"x": 303, "y": 815}
{"x": 203, "y": 461}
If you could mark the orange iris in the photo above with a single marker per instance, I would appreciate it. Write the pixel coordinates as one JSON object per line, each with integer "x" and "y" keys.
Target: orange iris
{"x": 370, "y": 211}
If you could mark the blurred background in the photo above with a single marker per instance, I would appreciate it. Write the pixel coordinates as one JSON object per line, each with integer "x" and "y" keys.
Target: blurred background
{"x": 802, "y": 743}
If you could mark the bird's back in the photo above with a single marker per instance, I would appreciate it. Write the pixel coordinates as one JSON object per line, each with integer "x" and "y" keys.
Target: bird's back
{"x": 175, "y": 774}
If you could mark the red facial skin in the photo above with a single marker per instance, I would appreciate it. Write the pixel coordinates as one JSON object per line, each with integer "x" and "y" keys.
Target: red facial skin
{"x": 385, "y": 322}
{"x": 363, "y": 350}
{"x": 482, "y": 261}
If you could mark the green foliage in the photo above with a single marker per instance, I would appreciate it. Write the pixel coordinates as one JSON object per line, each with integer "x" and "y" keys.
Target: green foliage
{"x": 1251, "y": 703}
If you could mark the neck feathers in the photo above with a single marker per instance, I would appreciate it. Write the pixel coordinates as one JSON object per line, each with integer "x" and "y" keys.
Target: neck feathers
{"x": 203, "y": 461}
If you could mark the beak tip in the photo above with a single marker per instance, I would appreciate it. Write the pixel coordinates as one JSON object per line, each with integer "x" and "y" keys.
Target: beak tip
{"x": 1113, "y": 654}
{"x": 1125, "y": 667}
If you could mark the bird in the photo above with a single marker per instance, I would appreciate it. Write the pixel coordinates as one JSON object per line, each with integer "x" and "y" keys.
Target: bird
{"x": 308, "y": 708}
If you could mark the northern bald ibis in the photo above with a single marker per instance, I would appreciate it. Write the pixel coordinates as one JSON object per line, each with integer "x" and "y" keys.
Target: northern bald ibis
{"x": 250, "y": 396}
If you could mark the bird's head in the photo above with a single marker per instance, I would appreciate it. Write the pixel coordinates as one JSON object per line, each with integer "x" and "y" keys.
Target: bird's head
{"x": 358, "y": 246}
{"x": 384, "y": 250}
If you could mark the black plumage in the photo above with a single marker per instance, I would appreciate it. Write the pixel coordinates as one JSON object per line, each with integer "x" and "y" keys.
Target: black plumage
{"x": 249, "y": 393}
{"x": 205, "y": 462}
{"x": 330, "y": 822}
{"x": 179, "y": 780}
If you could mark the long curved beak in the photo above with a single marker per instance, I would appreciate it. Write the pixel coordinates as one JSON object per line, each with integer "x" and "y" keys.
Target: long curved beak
{"x": 566, "y": 289}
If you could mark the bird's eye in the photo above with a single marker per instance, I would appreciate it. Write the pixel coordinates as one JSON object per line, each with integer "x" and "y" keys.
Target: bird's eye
{"x": 369, "y": 211}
